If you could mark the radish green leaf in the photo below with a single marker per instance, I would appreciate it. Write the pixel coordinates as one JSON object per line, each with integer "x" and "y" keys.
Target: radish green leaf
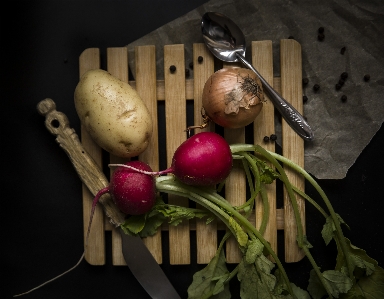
{"x": 369, "y": 287}
{"x": 204, "y": 285}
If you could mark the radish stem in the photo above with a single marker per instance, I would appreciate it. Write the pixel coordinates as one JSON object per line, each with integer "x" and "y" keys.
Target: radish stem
{"x": 274, "y": 158}
{"x": 219, "y": 205}
{"x": 321, "y": 192}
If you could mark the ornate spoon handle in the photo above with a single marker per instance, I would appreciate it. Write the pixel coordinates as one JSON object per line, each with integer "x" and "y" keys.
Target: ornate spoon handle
{"x": 290, "y": 114}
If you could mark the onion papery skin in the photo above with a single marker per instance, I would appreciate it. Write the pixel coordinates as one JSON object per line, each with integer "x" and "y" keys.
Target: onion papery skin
{"x": 233, "y": 97}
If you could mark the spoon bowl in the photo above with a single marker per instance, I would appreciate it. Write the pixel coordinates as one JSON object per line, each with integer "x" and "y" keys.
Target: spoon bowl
{"x": 226, "y": 42}
{"x": 222, "y": 37}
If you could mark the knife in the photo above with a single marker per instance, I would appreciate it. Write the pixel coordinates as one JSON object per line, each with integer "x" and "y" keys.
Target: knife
{"x": 140, "y": 261}
{"x": 137, "y": 256}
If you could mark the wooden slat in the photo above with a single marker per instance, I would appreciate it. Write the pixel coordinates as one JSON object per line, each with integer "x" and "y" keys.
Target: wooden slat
{"x": 235, "y": 190}
{"x": 95, "y": 251}
{"x": 235, "y": 185}
{"x": 206, "y": 235}
{"x": 160, "y": 89}
{"x": 264, "y": 125}
{"x": 175, "y": 109}
{"x": 117, "y": 66}
{"x": 145, "y": 57}
{"x": 292, "y": 143}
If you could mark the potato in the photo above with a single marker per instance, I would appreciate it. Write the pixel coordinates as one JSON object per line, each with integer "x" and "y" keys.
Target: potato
{"x": 113, "y": 114}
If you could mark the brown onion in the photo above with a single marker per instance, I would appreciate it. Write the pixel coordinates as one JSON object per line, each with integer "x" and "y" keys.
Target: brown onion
{"x": 233, "y": 97}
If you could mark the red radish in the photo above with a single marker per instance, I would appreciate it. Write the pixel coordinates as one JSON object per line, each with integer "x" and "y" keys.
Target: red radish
{"x": 133, "y": 192}
{"x": 204, "y": 159}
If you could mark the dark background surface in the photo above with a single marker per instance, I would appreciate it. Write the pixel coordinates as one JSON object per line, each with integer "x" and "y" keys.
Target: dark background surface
{"x": 41, "y": 209}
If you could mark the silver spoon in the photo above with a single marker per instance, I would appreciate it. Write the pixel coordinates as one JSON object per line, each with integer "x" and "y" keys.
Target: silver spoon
{"x": 227, "y": 42}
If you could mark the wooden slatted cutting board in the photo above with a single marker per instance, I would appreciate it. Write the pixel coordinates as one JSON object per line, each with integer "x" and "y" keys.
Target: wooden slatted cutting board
{"x": 175, "y": 90}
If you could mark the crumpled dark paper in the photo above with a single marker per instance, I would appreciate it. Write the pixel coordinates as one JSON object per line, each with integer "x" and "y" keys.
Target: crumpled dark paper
{"x": 342, "y": 128}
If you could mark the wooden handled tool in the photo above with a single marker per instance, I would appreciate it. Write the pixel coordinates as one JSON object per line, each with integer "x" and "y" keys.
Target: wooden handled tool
{"x": 90, "y": 174}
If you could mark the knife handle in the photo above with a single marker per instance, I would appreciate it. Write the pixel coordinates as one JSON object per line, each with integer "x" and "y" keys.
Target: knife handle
{"x": 89, "y": 172}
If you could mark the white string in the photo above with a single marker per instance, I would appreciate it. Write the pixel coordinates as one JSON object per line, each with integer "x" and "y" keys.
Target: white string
{"x": 142, "y": 171}
{"x": 82, "y": 257}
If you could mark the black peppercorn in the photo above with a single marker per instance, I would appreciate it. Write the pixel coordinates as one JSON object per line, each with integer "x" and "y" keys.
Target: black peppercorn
{"x": 337, "y": 86}
{"x": 200, "y": 59}
{"x": 341, "y": 82}
{"x": 342, "y": 50}
{"x": 273, "y": 137}
{"x": 320, "y": 30}
{"x": 305, "y": 99}
{"x": 305, "y": 81}
{"x": 344, "y": 75}
{"x": 367, "y": 78}
{"x": 172, "y": 68}
{"x": 321, "y": 37}
{"x": 316, "y": 87}
{"x": 343, "y": 98}
{"x": 191, "y": 65}
{"x": 266, "y": 138}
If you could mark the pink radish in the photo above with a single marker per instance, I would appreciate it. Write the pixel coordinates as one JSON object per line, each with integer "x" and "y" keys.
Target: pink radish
{"x": 204, "y": 159}
{"x": 134, "y": 193}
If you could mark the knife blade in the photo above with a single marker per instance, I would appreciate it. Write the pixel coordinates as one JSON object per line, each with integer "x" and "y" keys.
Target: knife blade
{"x": 139, "y": 261}
{"x": 137, "y": 256}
